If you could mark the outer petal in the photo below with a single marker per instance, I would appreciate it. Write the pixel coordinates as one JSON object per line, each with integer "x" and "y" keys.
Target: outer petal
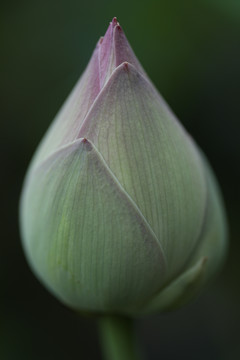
{"x": 179, "y": 291}
{"x": 207, "y": 258}
{"x": 85, "y": 238}
{"x": 153, "y": 158}
{"x": 214, "y": 232}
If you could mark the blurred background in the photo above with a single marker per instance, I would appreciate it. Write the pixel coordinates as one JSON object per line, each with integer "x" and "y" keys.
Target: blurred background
{"x": 191, "y": 51}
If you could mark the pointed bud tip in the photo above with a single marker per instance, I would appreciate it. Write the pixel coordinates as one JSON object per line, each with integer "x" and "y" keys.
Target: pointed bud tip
{"x": 86, "y": 144}
{"x": 118, "y": 27}
{"x": 126, "y": 66}
{"x": 114, "y": 22}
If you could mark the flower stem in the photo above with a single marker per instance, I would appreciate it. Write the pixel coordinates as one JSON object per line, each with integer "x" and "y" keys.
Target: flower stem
{"x": 118, "y": 338}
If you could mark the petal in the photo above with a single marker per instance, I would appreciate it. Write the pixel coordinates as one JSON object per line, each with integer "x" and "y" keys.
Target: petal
{"x": 206, "y": 259}
{"x": 84, "y": 236}
{"x": 179, "y": 291}
{"x": 153, "y": 158}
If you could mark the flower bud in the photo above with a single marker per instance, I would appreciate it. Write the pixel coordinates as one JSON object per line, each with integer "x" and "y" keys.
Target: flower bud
{"x": 120, "y": 211}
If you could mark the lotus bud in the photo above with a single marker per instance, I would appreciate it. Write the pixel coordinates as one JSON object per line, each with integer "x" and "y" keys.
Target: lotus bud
{"x": 120, "y": 210}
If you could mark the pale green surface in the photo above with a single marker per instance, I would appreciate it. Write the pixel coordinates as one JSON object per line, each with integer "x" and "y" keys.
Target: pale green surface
{"x": 180, "y": 290}
{"x": 206, "y": 258}
{"x": 212, "y": 242}
{"x": 85, "y": 238}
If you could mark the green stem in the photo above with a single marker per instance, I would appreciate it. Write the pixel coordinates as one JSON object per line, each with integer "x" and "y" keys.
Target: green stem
{"x": 118, "y": 338}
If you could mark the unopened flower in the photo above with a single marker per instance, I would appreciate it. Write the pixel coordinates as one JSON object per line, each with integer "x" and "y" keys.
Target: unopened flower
{"x": 120, "y": 212}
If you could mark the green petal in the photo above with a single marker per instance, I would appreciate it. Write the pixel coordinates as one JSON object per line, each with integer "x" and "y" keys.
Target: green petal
{"x": 153, "y": 158}
{"x": 213, "y": 240}
{"x": 206, "y": 259}
{"x": 84, "y": 236}
{"x": 179, "y": 291}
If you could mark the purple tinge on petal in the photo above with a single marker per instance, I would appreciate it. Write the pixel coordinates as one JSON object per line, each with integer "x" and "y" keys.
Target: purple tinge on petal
{"x": 123, "y": 50}
{"x": 113, "y": 50}
{"x": 106, "y": 55}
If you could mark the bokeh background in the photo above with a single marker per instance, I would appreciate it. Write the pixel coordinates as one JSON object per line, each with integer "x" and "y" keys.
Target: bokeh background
{"x": 191, "y": 51}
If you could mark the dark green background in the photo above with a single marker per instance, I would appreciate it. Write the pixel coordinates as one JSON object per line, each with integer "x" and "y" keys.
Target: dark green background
{"x": 191, "y": 51}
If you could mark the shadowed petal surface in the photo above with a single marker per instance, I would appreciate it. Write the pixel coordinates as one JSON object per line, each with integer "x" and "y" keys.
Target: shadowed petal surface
{"x": 206, "y": 259}
{"x": 180, "y": 290}
{"x": 214, "y": 232}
